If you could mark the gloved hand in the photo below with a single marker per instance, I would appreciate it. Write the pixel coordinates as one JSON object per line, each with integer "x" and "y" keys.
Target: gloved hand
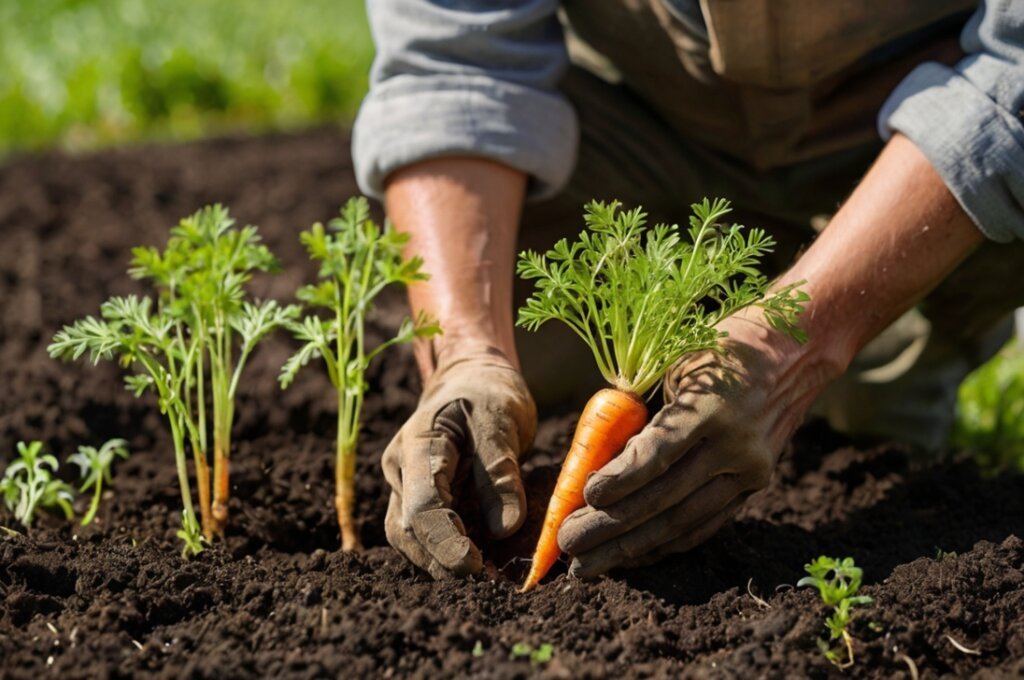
{"x": 477, "y": 412}
{"x": 716, "y": 441}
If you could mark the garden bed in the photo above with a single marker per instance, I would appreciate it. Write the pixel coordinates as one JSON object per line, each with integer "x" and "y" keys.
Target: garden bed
{"x": 941, "y": 547}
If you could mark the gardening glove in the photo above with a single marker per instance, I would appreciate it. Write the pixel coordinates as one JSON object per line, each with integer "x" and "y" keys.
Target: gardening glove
{"x": 475, "y": 413}
{"x": 715, "y": 442}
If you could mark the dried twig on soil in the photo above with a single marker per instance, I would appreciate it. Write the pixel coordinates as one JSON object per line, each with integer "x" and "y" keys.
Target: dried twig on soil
{"x": 961, "y": 647}
{"x": 760, "y": 602}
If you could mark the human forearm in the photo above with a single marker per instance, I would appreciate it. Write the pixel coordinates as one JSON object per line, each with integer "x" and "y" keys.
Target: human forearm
{"x": 462, "y": 215}
{"x": 900, "y": 233}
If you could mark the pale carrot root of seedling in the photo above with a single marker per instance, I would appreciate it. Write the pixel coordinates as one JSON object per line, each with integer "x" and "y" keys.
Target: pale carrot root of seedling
{"x": 221, "y": 489}
{"x": 344, "y": 500}
{"x": 608, "y": 421}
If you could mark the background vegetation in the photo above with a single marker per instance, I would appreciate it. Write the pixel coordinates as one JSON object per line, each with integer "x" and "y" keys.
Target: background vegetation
{"x": 82, "y": 73}
{"x": 990, "y": 418}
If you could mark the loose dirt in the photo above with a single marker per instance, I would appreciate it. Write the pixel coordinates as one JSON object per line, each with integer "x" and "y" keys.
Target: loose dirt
{"x": 941, "y": 546}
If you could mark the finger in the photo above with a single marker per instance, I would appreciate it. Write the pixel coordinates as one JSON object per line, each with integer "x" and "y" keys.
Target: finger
{"x": 496, "y": 471}
{"x": 667, "y": 438}
{"x": 402, "y": 539}
{"x": 428, "y": 467}
{"x": 680, "y": 520}
{"x": 391, "y": 462}
{"x": 691, "y": 540}
{"x": 583, "y": 531}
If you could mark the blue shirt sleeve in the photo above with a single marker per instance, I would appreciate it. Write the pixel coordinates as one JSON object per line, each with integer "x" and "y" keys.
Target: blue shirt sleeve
{"x": 967, "y": 120}
{"x": 466, "y": 78}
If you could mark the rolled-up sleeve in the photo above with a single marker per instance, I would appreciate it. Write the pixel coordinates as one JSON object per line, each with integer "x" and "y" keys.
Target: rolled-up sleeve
{"x": 466, "y": 78}
{"x": 967, "y": 119}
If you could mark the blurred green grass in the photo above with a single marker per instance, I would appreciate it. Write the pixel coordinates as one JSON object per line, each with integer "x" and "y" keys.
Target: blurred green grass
{"x": 990, "y": 412}
{"x": 85, "y": 73}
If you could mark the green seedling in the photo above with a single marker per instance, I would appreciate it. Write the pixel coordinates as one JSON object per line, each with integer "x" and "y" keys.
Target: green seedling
{"x": 837, "y": 581}
{"x": 358, "y": 260}
{"x": 538, "y": 656}
{"x": 95, "y": 468}
{"x": 191, "y": 347}
{"x": 28, "y": 484}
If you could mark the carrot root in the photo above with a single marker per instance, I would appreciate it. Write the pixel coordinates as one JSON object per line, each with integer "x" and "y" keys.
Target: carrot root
{"x": 608, "y": 421}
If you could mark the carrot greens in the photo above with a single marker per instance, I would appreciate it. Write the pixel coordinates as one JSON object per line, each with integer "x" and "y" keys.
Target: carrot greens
{"x": 191, "y": 347}
{"x": 837, "y": 581}
{"x": 95, "y": 470}
{"x": 29, "y": 484}
{"x": 641, "y": 297}
{"x": 358, "y": 260}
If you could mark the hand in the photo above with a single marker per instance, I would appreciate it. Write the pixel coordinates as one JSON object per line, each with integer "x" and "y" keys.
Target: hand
{"x": 477, "y": 412}
{"x": 716, "y": 441}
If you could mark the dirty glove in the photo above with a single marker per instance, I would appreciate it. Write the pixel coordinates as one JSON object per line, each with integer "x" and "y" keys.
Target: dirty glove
{"x": 475, "y": 413}
{"x": 716, "y": 441}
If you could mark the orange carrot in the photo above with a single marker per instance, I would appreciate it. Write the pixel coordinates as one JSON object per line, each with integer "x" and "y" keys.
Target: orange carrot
{"x": 639, "y": 300}
{"x": 608, "y": 421}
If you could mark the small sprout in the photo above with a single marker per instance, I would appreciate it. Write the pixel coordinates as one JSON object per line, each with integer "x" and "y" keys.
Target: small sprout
{"x": 190, "y": 535}
{"x": 538, "y": 656}
{"x": 478, "y": 649}
{"x": 941, "y": 555}
{"x": 29, "y": 484}
{"x": 95, "y": 465}
{"x": 837, "y": 582}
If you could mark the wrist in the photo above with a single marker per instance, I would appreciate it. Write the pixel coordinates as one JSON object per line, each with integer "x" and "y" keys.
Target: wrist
{"x": 789, "y": 373}
{"x": 459, "y": 340}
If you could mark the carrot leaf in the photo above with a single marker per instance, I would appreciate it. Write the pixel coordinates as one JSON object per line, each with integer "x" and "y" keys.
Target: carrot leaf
{"x": 641, "y": 298}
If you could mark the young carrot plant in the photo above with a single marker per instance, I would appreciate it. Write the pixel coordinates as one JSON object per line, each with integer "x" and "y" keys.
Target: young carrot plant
{"x": 95, "y": 468}
{"x": 358, "y": 260}
{"x": 837, "y": 581}
{"x": 28, "y": 484}
{"x": 641, "y": 299}
{"x": 191, "y": 348}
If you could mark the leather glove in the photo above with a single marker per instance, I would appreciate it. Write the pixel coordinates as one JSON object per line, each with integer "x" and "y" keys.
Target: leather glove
{"x": 475, "y": 412}
{"x": 676, "y": 483}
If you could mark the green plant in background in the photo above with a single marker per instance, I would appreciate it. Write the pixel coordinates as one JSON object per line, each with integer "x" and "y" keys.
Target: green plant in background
{"x": 89, "y": 72}
{"x": 990, "y": 412}
{"x": 539, "y": 656}
{"x": 357, "y": 261}
{"x": 837, "y": 581}
{"x": 28, "y": 484}
{"x": 192, "y": 348}
{"x": 95, "y": 470}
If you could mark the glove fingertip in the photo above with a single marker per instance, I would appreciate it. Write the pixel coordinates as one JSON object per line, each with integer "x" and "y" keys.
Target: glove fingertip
{"x": 505, "y": 518}
{"x": 598, "y": 488}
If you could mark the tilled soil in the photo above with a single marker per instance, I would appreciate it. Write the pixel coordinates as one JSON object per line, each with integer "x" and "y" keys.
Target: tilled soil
{"x": 940, "y": 545}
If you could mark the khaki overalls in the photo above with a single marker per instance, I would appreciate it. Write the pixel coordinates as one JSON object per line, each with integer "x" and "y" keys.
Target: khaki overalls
{"x": 773, "y": 107}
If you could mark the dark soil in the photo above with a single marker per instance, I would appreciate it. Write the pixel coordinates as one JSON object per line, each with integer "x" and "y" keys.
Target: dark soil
{"x": 276, "y": 599}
